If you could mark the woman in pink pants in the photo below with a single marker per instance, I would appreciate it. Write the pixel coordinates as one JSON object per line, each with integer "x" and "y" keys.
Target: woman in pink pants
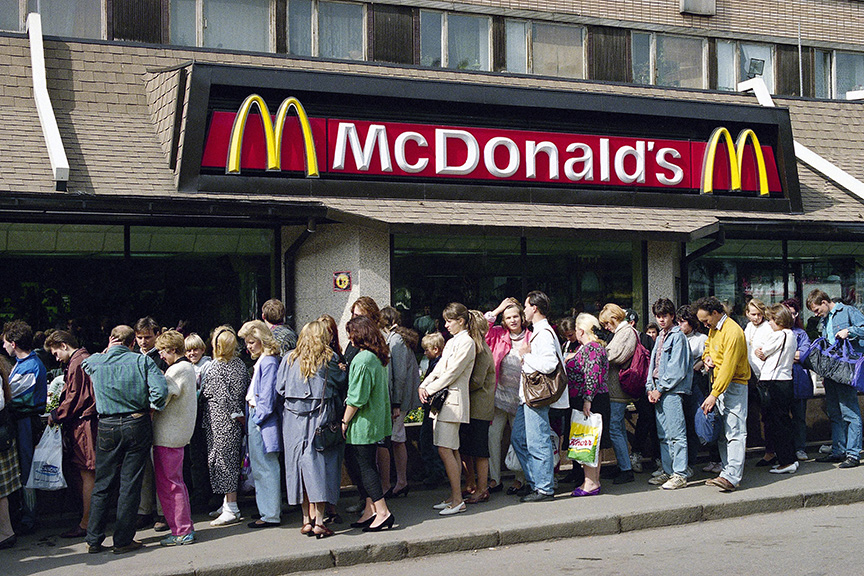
{"x": 172, "y": 430}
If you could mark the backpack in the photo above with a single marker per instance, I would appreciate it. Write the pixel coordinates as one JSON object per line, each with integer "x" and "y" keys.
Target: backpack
{"x": 633, "y": 377}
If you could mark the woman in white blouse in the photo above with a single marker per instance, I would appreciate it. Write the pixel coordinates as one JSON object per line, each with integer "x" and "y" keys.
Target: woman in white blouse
{"x": 778, "y": 354}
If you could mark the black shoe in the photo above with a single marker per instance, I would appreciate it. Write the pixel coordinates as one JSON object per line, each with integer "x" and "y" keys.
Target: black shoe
{"x": 609, "y": 472}
{"x": 364, "y": 524}
{"x": 537, "y": 497}
{"x": 131, "y": 547}
{"x": 401, "y": 492}
{"x": 624, "y": 477}
{"x": 8, "y": 542}
{"x": 850, "y": 462}
{"x": 386, "y": 525}
{"x": 525, "y": 490}
{"x": 832, "y": 458}
{"x": 259, "y": 524}
{"x": 498, "y": 488}
{"x": 144, "y": 521}
{"x": 161, "y": 525}
{"x": 763, "y": 462}
{"x": 95, "y": 548}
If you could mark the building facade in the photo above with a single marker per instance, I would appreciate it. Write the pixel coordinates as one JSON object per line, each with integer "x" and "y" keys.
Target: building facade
{"x": 561, "y": 111}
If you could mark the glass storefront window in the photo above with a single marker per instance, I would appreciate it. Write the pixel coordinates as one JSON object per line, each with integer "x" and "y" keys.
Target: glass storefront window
{"x": 480, "y": 271}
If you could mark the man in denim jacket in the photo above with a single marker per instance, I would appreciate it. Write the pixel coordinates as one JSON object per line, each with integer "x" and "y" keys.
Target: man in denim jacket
{"x": 669, "y": 377}
{"x": 841, "y": 401}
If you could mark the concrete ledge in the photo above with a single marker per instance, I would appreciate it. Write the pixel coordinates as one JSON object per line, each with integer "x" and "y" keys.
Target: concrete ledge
{"x": 383, "y": 552}
{"x": 834, "y": 497}
{"x": 661, "y": 517}
{"x": 554, "y": 530}
{"x": 275, "y": 566}
{"x": 735, "y": 509}
{"x": 454, "y": 543}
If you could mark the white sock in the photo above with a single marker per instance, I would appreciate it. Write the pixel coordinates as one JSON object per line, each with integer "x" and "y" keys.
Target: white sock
{"x": 231, "y": 507}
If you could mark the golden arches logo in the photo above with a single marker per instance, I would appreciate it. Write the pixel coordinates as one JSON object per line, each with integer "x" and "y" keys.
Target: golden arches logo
{"x": 272, "y": 138}
{"x": 735, "y": 152}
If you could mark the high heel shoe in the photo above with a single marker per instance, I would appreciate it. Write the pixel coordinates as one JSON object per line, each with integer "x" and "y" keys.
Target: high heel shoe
{"x": 401, "y": 492}
{"x": 364, "y": 524}
{"x": 386, "y": 525}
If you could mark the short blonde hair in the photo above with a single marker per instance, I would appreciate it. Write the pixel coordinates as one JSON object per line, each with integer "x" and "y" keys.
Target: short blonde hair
{"x": 588, "y": 324}
{"x": 257, "y": 330}
{"x": 171, "y": 340}
{"x": 224, "y": 343}
{"x": 194, "y": 342}
{"x": 612, "y": 312}
{"x": 433, "y": 340}
{"x": 758, "y": 305}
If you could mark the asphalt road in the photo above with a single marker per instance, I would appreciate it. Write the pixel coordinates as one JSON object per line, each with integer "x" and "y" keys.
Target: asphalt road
{"x": 814, "y": 541}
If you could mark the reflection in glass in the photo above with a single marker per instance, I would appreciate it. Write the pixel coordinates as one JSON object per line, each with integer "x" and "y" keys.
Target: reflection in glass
{"x": 340, "y": 30}
{"x": 850, "y": 73}
{"x": 750, "y": 66}
{"x": 72, "y": 18}
{"x": 641, "y": 56}
{"x": 516, "y": 49}
{"x": 822, "y": 74}
{"x": 726, "y": 78}
{"x": 237, "y": 24}
{"x": 183, "y": 23}
{"x": 467, "y": 42}
{"x": 300, "y": 27}
{"x": 679, "y": 62}
{"x": 430, "y": 38}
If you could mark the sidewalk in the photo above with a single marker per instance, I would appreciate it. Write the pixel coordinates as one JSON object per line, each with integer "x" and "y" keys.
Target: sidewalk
{"x": 239, "y": 551}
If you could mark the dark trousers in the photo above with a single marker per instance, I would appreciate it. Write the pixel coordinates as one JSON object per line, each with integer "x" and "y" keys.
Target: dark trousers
{"x": 645, "y": 438}
{"x": 779, "y": 420}
{"x": 432, "y": 465}
{"x": 122, "y": 447}
{"x": 29, "y": 430}
{"x": 360, "y": 460}
{"x": 200, "y": 491}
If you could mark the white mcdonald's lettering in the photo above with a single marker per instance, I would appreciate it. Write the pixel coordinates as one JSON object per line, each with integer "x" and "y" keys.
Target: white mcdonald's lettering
{"x": 347, "y": 133}
{"x": 639, "y": 154}
{"x": 399, "y": 152}
{"x": 677, "y": 172}
{"x": 471, "y": 162}
{"x": 531, "y": 151}
{"x": 587, "y": 160}
{"x": 604, "y": 160}
{"x": 489, "y": 157}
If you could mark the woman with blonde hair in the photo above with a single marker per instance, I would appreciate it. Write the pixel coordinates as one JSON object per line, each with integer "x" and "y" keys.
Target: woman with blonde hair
{"x": 757, "y": 333}
{"x": 619, "y": 353}
{"x": 453, "y": 372}
{"x": 222, "y": 391}
{"x": 587, "y": 370}
{"x": 312, "y": 477}
{"x": 263, "y": 422}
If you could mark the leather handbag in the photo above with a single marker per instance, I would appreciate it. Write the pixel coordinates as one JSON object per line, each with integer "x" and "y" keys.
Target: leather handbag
{"x": 436, "y": 401}
{"x": 544, "y": 389}
{"x": 329, "y": 434}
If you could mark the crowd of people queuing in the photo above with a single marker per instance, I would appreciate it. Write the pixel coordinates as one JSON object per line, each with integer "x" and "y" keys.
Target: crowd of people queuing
{"x": 161, "y": 426}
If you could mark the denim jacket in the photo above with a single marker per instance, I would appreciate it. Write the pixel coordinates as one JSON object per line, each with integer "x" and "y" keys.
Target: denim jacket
{"x": 844, "y": 316}
{"x": 674, "y": 374}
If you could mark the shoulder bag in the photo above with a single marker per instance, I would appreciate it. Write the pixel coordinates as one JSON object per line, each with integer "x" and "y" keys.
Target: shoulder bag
{"x": 544, "y": 389}
{"x": 329, "y": 434}
{"x": 633, "y": 377}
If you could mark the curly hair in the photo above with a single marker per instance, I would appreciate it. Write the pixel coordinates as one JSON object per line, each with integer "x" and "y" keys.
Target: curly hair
{"x": 335, "y": 345}
{"x": 313, "y": 350}
{"x": 365, "y": 334}
{"x": 369, "y": 308}
{"x": 258, "y": 330}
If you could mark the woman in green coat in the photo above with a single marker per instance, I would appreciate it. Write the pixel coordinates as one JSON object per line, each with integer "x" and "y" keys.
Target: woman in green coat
{"x": 367, "y": 419}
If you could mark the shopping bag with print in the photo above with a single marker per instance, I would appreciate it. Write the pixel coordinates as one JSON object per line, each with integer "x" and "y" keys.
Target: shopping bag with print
{"x": 585, "y": 436}
{"x": 46, "y": 473}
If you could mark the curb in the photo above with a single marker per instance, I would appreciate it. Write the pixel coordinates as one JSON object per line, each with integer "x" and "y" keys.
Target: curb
{"x": 600, "y": 525}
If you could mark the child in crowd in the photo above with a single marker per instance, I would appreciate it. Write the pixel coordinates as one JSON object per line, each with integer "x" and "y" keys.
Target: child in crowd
{"x": 433, "y": 346}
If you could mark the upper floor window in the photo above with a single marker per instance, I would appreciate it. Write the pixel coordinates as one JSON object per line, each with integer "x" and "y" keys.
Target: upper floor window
{"x": 71, "y": 18}
{"x": 740, "y": 61}
{"x": 850, "y": 73}
{"x": 557, "y": 50}
{"x": 664, "y": 60}
{"x": 457, "y": 41}
{"x": 226, "y": 24}
{"x": 10, "y": 19}
{"x": 326, "y": 29}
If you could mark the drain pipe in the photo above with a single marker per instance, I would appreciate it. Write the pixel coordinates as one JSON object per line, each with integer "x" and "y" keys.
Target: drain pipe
{"x": 288, "y": 263}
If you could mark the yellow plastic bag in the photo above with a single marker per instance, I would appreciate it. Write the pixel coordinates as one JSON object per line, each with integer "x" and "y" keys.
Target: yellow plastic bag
{"x": 584, "y": 446}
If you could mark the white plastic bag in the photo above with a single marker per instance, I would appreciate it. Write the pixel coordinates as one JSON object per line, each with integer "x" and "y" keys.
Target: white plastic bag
{"x": 585, "y": 433}
{"x": 46, "y": 473}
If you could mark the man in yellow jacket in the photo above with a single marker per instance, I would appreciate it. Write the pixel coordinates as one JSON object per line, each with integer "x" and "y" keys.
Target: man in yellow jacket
{"x": 726, "y": 356}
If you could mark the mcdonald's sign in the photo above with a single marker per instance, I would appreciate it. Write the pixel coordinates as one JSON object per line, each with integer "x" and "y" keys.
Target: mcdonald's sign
{"x": 735, "y": 154}
{"x": 393, "y": 150}
{"x": 272, "y": 138}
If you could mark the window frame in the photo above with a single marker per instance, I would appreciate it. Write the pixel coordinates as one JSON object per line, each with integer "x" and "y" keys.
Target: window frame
{"x": 737, "y": 63}
{"x": 653, "y": 63}
{"x": 315, "y": 34}
{"x": 445, "y": 38}
{"x": 584, "y": 46}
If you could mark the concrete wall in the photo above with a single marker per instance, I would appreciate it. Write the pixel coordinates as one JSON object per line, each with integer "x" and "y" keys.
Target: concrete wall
{"x": 664, "y": 271}
{"x": 363, "y": 252}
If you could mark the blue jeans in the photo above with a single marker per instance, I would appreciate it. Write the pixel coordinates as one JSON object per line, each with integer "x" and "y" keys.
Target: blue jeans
{"x": 732, "y": 409}
{"x": 841, "y": 402}
{"x": 618, "y": 435}
{"x": 266, "y": 472}
{"x": 122, "y": 447}
{"x": 532, "y": 441}
{"x": 672, "y": 431}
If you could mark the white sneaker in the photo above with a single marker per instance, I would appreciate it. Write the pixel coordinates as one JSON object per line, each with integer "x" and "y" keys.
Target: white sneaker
{"x": 659, "y": 480}
{"x": 636, "y": 462}
{"x": 674, "y": 482}
{"x": 825, "y": 449}
{"x": 227, "y": 517}
{"x": 216, "y": 513}
{"x": 801, "y": 455}
{"x": 788, "y": 469}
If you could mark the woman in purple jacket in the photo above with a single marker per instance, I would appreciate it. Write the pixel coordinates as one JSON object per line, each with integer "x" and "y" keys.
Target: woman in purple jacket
{"x": 263, "y": 424}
